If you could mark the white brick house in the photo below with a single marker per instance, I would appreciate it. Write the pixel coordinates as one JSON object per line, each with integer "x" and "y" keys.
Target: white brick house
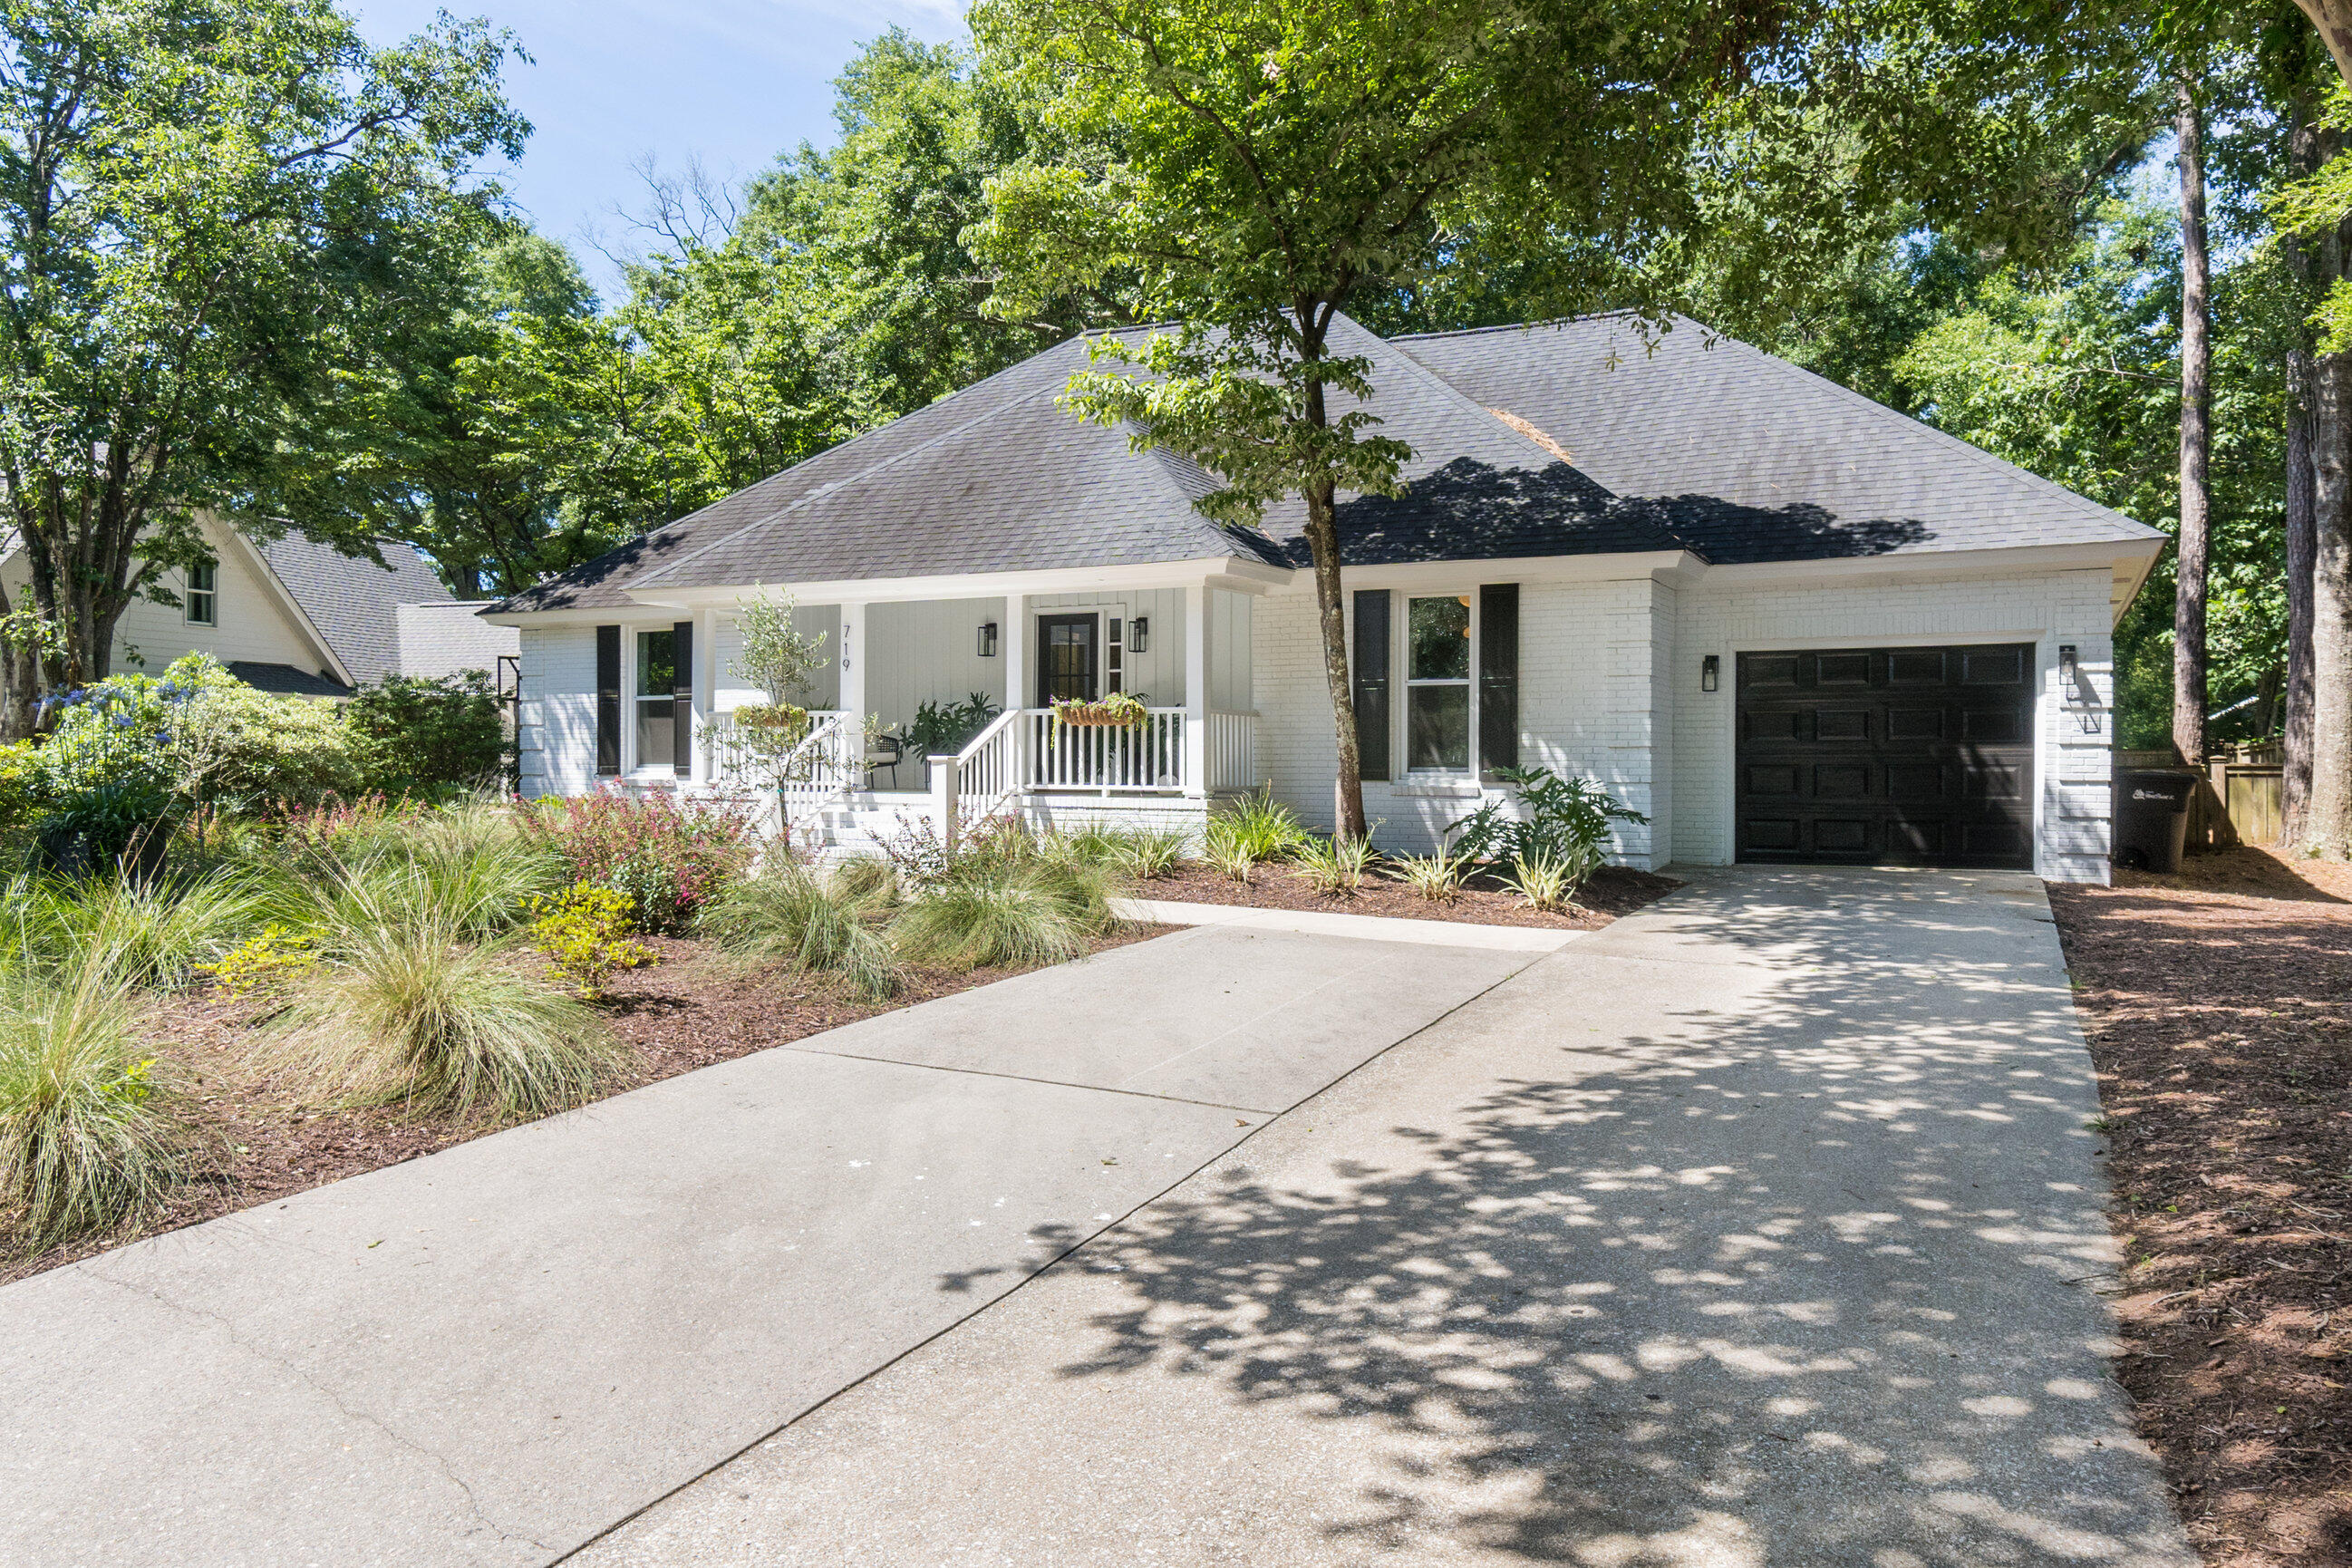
{"x": 1783, "y": 622}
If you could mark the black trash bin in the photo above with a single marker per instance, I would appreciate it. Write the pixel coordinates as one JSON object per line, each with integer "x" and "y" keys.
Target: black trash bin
{"x": 2152, "y": 819}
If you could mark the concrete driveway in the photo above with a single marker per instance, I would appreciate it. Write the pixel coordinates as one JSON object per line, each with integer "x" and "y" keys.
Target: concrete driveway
{"x": 1760, "y": 1230}
{"x": 491, "y": 1354}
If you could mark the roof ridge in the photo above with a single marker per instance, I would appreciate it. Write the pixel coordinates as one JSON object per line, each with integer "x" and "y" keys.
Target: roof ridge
{"x": 1518, "y": 326}
{"x": 821, "y": 491}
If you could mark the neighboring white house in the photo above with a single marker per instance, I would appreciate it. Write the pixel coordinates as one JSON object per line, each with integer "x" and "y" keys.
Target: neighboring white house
{"x": 1783, "y": 622}
{"x": 301, "y": 618}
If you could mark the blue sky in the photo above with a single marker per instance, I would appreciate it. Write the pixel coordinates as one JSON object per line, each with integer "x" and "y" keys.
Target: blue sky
{"x": 732, "y": 82}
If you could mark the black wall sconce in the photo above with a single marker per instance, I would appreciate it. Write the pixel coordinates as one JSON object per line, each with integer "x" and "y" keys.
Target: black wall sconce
{"x": 988, "y": 639}
{"x": 1138, "y": 635}
{"x": 1710, "y": 673}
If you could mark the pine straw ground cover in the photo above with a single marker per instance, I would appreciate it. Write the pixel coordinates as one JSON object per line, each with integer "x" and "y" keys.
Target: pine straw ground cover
{"x": 2215, "y": 1002}
{"x": 1612, "y": 891}
{"x": 266, "y": 1141}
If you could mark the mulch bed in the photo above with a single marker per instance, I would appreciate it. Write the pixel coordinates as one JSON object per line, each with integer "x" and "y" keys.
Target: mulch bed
{"x": 1613, "y": 890}
{"x": 690, "y": 1010}
{"x": 2215, "y": 1005}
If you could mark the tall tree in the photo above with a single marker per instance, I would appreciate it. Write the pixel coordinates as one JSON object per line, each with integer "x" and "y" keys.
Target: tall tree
{"x": 2193, "y": 542}
{"x": 208, "y": 210}
{"x": 1256, "y": 166}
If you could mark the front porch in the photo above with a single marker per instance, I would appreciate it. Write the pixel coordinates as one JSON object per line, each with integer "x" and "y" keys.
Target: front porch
{"x": 892, "y": 737}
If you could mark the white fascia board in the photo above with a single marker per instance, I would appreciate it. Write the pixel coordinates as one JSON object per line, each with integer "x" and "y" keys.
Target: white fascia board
{"x": 1221, "y": 571}
{"x": 2129, "y": 559}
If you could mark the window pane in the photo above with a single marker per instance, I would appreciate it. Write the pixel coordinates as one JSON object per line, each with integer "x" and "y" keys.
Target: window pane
{"x": 657, "y": 732}
{"x": 1440, "y": 636}
{"x": 1437, "y": 726}
{"x": 657, "y": 663}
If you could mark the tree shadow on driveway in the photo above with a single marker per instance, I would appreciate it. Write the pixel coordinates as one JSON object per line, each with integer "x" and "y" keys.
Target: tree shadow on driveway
{"x": 1796, "y": 1267}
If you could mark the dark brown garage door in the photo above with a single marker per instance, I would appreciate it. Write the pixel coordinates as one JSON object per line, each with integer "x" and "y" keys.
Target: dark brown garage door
{"x": 1907, "y": 756}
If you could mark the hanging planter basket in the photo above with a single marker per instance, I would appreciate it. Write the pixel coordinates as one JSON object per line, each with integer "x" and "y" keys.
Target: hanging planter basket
{"x": 1110, "y": 713}
{"x": 784, "y": 723}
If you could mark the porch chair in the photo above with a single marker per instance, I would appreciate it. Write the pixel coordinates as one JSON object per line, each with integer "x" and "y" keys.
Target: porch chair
{"x": 888, "y": 752}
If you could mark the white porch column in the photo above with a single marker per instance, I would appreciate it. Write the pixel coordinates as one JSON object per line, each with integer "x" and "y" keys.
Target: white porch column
{"x": 705, "y": 676}
{"x": 852, "y": 662}
{"x": 1196, "y": 690}
{"x": 1014, "y": 638}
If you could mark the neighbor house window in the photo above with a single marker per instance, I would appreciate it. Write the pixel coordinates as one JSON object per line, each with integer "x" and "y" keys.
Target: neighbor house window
{"x": 202, "y": 597}
{"x": 657, "y": 699}
{"x": 1437, "y": 684}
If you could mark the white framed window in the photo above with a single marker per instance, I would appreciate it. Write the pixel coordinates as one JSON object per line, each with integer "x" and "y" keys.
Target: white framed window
{"x": 1439, "y": 654}
{"x": 202, "y": 600}
{"x": 655, "y": 700}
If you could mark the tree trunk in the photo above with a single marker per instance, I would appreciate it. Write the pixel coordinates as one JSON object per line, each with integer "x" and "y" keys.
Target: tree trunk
{"x": 2189, "y": 685}
{"x": 2301, "y": 543}
{"x": 1331, "y": 615}
{"x": 2334, "y": 20}
{"x": 2328, "y": 815}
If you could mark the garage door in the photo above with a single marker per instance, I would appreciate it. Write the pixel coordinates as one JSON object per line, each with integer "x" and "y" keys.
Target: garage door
{"x": 1910, "y": 757}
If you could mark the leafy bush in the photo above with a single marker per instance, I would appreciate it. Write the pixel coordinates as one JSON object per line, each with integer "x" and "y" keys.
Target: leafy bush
{"x": 584, "y": 932}
{"x": 407, "y": 1013}
{"x": 420, "y": 735}
{"x": 19, "y": 783}
{"x": 796, "y": 916}
{"x": 90, "y": 1134}
{"x": 668, "y": 861}
{"x": 1566, "y": 819}
{"x": 944, "y": 728}
{"x": 1333, "y": 868}
{"x": 263, "y": 965}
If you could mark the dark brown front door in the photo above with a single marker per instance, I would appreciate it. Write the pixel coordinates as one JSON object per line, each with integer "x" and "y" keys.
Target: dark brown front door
{"x": 1910, "y": 757}
{"x": 1067, "y": 661}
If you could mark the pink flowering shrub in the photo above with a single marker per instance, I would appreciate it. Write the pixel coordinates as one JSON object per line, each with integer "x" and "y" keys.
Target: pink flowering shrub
{"x": 668, "y": 860}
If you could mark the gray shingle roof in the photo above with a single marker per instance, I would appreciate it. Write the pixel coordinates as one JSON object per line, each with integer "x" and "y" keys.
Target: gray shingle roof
{"x": 354, "y": 601}
{"x": 449, "y": 638}
{"x": 1724, "y": 451}
{"x": 285, "y": 680}
{"x": 1747, "y": 457}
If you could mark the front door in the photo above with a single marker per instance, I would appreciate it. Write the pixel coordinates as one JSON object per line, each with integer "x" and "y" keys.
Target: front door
{"x": 1067, "y": 663}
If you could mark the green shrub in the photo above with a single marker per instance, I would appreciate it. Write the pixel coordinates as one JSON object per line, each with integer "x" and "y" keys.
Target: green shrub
{"x": 584, "y": 934}
{"x": 90, "y": 1132}
{"x": 1547, "y": 881}
{"x": 1566, "y": 820}
{"x": 1258, "y": 827}
{"x": 669, "y": 860}
{"x": 420, "y": 735}
{"x": 1010, "y": 912}
{"x": 797, "y": 916}
{"x": 263, "y": 965}
{"x": 407, "y": 1014}
{"x": 20, "y": 796}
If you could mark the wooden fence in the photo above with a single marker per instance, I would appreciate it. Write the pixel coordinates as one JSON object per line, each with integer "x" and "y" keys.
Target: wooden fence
{"x": 2238, "y": 795}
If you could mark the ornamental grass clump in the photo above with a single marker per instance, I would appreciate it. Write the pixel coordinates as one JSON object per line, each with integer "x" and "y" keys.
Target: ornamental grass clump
{"x": 1334, "y": 868}
{"x": 1437, "y": 878}
{"x": 135, "y": 933}
{"x": 828, "y": 923}
{"x": 91, "y": 1133}
{"x": 1007, "y": 913}
{"x": 404, "y": 1010}
{"x": 1545, "y": 880}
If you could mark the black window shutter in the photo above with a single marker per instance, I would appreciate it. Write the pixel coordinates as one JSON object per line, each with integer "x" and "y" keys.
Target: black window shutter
{"x": 1499, "y": 678}
{"x": 682, "y": 707}
{"x": 608, "y": 700}
{"x": 1371, "y": 673}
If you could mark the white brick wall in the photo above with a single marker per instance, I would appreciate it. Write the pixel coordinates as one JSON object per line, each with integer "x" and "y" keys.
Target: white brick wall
{"x": 1588, "y": 706}
{"x": 555, "y": 739}
{"x": 2071, "y": 765}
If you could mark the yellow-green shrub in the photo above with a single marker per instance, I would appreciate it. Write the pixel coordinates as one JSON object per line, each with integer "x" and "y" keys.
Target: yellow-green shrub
{"x": 264, "y": 963}
{"x": 585, "y": 933}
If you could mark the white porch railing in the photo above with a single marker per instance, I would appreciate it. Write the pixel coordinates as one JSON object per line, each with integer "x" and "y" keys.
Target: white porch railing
{"x": 987, "y": 770}
{"x": 1233, "y": 751}
{"x": 816, "y": 770}
{"x": 1146, "y": 756}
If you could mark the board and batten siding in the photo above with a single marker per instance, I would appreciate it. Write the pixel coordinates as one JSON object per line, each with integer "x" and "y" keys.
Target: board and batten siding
{"x": 726, "y": 651}
{"x": 1589, "y": 707}
{"x": 1228, "y": 614}
{"x": 2074, "y": 742}
{"x": 927, "y": 650}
